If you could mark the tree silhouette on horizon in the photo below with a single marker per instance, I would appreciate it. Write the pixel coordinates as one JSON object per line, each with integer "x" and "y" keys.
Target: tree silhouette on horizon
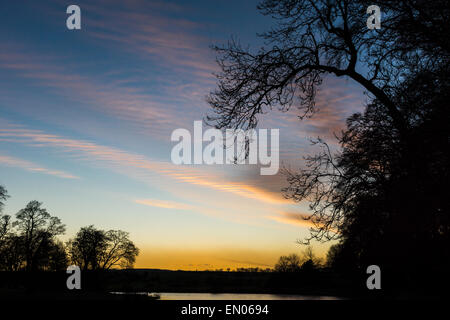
{"x": 94, "y": 249}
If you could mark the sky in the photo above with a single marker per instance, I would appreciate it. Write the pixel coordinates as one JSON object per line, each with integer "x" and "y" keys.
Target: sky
{"x": 86, "y": 118}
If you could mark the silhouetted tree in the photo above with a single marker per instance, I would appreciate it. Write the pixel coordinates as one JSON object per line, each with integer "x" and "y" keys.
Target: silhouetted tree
{"x": 120, "y": 250}
{"x": 3, "y": 196}
{"x": 36, "y": 226}
{"x": 308, "y": 266}
{"x": 311, "y": 258}
{"x": 290, "y": 263}
{"x": 30, "y": 243}
{"x": 413, "y": 26}
{"x": 10, "y": 245}
{"x": 101, "y": 250}
{"x": 51, "y": 255}
{"x": 315, "y": 38}
{"x": 332, "y": 254}
{"x": 384, "y": 194}
{"x": 4, "y": 219}
{"x": 5, "y": 225}
{"x": 86, "y": 248}
{"x": 12, "y": 256}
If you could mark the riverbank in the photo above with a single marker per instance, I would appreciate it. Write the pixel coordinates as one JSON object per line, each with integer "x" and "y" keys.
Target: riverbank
{"x": 317, "y": 283}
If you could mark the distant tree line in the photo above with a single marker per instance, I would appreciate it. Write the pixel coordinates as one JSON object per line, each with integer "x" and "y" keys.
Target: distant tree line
{"x": 30, "y": 243}
{"x": 296, "y": 263}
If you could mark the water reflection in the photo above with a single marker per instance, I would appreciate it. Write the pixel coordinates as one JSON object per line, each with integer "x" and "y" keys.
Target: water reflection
{"x": 239, "y": 296}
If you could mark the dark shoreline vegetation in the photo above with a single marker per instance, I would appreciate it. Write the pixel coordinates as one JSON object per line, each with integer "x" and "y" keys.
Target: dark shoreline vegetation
{"x": 98, "y": 285}
{"x": 155, "y": 280}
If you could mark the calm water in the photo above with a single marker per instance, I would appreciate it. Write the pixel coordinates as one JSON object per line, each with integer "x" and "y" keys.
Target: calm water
{"x": 238, "y": 296}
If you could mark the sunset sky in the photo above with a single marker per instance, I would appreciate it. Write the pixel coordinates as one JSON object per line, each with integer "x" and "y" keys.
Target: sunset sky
{"x": 86, "y": 118}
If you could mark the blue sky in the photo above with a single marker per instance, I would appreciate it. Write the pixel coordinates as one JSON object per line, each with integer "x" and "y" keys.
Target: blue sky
{"x": 86, "y": 118}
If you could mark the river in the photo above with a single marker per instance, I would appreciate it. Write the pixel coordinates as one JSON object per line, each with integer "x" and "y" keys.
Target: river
{"x": 239, "y": 296}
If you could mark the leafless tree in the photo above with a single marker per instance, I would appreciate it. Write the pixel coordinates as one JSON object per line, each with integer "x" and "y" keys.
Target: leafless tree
{"x": 120, "y": 250}
{"x": 3, "y": 196}
{"x": 315, "y": 38}
{"x": 290, "y": 263}
{"x": 35, "y": 225}
{"x": 94, "y": 249}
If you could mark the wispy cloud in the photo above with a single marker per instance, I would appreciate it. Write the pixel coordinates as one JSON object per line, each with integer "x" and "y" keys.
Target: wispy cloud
{"x": 335, "y": 101}
{"x": 164, "y": 204}
{"x": 297, "y": 219}
{"x": 292, "y": 218}
{"x": 136, "y": 165}
{"x": 30, "y": 166}
{"x": 123, "y": 102}
{"x": 173, "y": 41}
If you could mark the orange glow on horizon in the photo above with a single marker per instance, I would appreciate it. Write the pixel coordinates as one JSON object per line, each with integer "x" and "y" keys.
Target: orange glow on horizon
{"x": 211, "y": 259}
